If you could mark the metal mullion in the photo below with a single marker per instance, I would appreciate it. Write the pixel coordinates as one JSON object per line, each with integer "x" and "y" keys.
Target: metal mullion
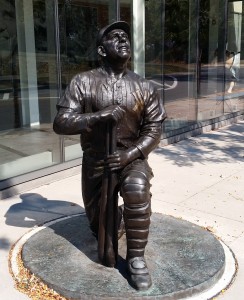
{"x": 117, "y": 9}
{"x": 59, "y": 73}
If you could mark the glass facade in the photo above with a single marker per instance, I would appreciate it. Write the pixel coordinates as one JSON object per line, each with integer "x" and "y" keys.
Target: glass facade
{"x": 192, "y": 50}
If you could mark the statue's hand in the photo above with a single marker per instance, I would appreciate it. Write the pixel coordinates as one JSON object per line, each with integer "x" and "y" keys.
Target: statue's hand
{"x": 111, "y": 113}
{"x": 118, "y": 160}
{"x": 113, "y": 162}
{"x": 122, "y": 158}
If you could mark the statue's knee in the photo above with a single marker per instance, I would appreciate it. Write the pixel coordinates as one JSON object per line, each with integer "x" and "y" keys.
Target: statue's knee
{"x": 135, "y": 191}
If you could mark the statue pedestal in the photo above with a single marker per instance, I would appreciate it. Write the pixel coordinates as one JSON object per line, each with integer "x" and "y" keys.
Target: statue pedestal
{"x": 184, "y": 260}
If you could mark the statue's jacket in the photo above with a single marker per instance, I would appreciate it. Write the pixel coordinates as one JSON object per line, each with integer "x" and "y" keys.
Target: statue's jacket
{"x": 94, "y": 90}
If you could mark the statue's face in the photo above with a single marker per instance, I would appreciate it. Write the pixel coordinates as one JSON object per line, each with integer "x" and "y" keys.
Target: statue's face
{"x": 116, "y": 45}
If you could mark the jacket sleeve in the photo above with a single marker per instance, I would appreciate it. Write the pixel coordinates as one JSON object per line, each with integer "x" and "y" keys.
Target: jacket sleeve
{"x": 151, "y": 127}
{"x": 70, "y": 118}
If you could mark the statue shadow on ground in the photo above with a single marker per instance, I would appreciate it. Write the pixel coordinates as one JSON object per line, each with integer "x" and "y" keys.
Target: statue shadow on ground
{"x": 122, "y": 268}
{"x": 37, "y": 210}
{"x": 76, "y": 232}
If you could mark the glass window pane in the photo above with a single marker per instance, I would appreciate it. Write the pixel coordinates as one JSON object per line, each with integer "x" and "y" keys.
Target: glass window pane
{"x": 211, "y": 70}
{"x": 78, "y": 25}
{"x": 219, "y": 67}
{"x": 195, "y": 60}
{"x": 28, "y": 87}
{"x": 179, "y": 63}
{"x": 234, "y": 53}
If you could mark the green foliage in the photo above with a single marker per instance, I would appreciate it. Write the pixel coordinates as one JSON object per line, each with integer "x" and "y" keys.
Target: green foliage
{"x": 168, "y": 23}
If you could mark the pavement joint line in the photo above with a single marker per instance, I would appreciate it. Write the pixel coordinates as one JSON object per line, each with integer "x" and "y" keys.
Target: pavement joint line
{"x": 227, "y": 278}
{"x": 202, "y": 211}
{"x": 208, "y": 187}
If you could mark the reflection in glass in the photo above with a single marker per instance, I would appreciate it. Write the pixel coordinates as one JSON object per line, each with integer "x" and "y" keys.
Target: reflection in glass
{"x": 233, "y": 55}
{"x": 192, "y": 51}
{"x": 219, "y": 64}
{"x": 9, "y": 108}
{"x": 170, "y": 60}
{"x": 79, "y": 22}
{"x": 28, "y": 87}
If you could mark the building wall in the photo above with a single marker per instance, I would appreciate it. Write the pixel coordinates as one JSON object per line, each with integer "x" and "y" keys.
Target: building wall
{"x": 191, "y": 50}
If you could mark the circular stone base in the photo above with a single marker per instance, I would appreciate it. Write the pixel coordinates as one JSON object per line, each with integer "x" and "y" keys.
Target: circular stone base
{"x": 183, "y": 258}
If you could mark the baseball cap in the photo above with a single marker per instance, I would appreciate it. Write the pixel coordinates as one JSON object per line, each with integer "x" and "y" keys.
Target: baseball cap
{"x": 116, "y": 25}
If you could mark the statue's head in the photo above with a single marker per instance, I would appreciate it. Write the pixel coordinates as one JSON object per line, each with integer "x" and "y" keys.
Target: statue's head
{"x": 113, "y": 42}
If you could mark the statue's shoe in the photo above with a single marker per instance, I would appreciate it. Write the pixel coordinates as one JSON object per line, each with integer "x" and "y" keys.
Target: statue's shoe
{"x": 140, "y": 278}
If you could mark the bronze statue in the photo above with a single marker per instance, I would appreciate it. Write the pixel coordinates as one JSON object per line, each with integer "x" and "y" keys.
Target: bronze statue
{"x": 118, "y": 115}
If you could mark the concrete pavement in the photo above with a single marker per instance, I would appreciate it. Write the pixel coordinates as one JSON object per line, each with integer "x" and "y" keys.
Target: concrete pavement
{"x": 200, "y": 179}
